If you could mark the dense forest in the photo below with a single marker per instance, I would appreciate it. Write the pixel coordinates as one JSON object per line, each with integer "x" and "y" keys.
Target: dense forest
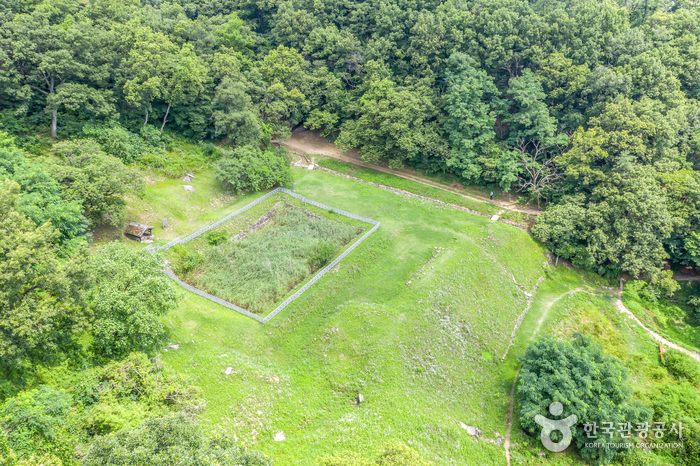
{"x": 587, "y": 109}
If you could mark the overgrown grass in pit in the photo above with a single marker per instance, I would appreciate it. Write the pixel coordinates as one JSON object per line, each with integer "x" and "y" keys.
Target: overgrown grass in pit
{"x": 256, "y": 271}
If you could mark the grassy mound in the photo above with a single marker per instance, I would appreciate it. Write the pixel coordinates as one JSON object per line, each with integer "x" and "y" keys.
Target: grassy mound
{"x": 426, "y": 356}
{"x": 257, "y": 270}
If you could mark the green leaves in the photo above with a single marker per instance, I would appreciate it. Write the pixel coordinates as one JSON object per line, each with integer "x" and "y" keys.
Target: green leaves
{"x": 234, "y": 116}
{"x": 470, "y": 121}
{"x": 35, "y": 419}
{"x": 250, "y": 168}
{"x": 97, "y": 181}
{"x": 165, "y": 441}
{"x": 395, "y": 124}
{"x": 40, "y": 304}
{"x": 43, "y": 58}
{"x": 586, "y": 381}
{"x": 129, "y": 294}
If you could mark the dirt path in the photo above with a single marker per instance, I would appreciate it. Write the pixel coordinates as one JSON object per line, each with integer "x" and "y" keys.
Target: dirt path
{"x": 620, "y": 306}
{"x": 509, "y": 420}
{"x": 509, "y": 424}
{"x": 687, "y": 278}
{"x": 521, "y": 317}
{"x": 310, "y": 142}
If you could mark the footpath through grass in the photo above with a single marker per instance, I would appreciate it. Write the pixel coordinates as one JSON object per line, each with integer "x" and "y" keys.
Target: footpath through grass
{"x": 397, "y": 182}
{"x": 425, "y": 356}
{"x": 673, "y": 318}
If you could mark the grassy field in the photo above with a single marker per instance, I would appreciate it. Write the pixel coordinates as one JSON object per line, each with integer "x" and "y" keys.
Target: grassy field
{"x": 417, "y": 319}
{"x": 376, "y": 176}
{"x": 425, "y": 356}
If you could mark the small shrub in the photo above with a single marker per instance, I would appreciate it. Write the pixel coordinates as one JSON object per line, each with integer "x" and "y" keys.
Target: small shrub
{"x": 175, "y": 167}
{"x": 151, "y": 136}
{"x": 210, "y": 151}
{"x": 168, "y": 440}
{"x": 215, "y": 238}
{"x": 250, "y": 168}
{"x": 117, "y": 141}
{"x": 35, "y": 418}
{"x": 190, "y": 261}
{"x": 683, "y": 366}
{"x": 154, "y": 160}
{"x": 322, "y": 255}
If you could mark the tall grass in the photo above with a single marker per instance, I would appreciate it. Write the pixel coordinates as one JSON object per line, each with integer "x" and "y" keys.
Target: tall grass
{"x": 258, "y": 270}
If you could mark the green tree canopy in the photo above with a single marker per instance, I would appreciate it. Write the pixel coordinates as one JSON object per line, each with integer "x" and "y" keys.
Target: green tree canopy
{"x": 165, "y": 441}
{"x": 587, "y": 382}
{"x": 128, "y": 296}
{"x": 249, "y": 168}
{"x": 97, "y": 181}
{"x": 41, "y": 307}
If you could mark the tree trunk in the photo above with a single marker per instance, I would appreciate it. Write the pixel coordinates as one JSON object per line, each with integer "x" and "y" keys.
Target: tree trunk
{"x": 165, "y": 118}
{"x": 54, "y": 124}
{"x": 146, "y": 122}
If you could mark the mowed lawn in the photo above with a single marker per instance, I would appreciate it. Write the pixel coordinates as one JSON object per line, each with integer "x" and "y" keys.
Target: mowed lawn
{"x": 425, "y": 356}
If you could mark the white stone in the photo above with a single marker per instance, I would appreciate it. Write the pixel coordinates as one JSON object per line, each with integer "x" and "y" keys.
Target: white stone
{"x": 471, "y": 430}
{"x": 228, "y": 370}
{"x": 173, "y": 346}
{"x": 360, "y": 398}
{"x": 187, "y": 187}
{"x": 279, "y": 436}
{"x": 495, "y": 218}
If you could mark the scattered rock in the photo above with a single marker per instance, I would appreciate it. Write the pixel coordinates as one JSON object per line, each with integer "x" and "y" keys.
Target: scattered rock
{"x": 542, "y": 454}
{"x": 311, "y": 167}
{"x": 471, "y": 430}
{"x": 279, "y": 436}
{"x": 188, "y": 178}
{"x": 228, "y": 370}
{"x": 173, "y": 346}
{"x": 499, "y": 441}
{"x": 187, "y": 187}
{"x": 360, "y": 398}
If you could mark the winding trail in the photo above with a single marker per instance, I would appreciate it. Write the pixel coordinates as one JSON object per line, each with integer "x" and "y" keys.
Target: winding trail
{"x": 509, "y": 420}
{"x": 310, "y": 142}
{"x": 620, "y": 307}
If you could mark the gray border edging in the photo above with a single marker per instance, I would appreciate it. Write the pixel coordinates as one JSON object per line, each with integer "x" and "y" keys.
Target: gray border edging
{"x": 298, "y": 293}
